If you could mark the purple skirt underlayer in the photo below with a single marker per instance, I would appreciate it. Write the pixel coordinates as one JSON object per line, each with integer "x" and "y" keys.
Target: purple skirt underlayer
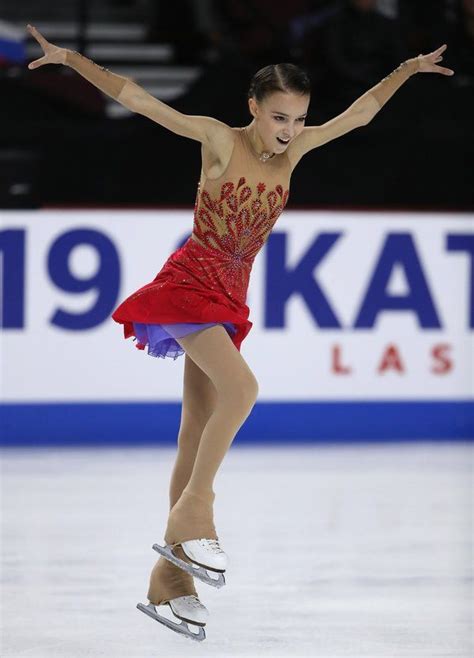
{"x": 160, "y": 338}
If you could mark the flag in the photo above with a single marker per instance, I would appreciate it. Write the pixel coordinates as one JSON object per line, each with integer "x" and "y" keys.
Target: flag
{"x": 12, "y": 44}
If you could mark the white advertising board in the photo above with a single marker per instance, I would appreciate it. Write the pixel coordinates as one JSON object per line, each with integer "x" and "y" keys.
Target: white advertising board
{"x": 344, "y": 305}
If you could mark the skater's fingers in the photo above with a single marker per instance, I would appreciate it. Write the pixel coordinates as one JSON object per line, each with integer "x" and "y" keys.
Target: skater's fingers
{"x": 38, "y": 36}
{"x": 38, "y": 62}
{"x": 442, "y": 70}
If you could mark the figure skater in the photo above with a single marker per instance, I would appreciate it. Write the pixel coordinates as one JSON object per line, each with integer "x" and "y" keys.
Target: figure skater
{"x": 196, "y": 303}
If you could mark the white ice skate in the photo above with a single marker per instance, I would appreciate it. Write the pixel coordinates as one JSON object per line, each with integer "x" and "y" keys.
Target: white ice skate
{"x": 205, "y": 555}
{"x": 187, "y": 609}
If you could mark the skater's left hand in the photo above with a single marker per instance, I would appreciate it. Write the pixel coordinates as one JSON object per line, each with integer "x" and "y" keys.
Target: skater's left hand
{"x": 428, "y": 63}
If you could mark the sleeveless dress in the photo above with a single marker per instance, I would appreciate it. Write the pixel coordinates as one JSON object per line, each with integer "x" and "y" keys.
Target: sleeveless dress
{"x": 205, "y": 282}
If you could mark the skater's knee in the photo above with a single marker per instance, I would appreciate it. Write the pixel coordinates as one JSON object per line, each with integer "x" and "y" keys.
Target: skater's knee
{"x": 241, "y": 392}
{"x": 251, "y": 389}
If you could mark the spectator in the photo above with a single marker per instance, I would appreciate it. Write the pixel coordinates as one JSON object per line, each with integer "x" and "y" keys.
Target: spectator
{"x": 461, "y": 43}
{"x": 353, "y": 48}
{"x": 423, "y": 23}
{"x": 192, "y": 27}
{"x": 257, "y": 30}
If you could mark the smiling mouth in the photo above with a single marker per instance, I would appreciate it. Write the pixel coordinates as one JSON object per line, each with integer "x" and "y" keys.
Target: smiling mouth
{"x": 283, "y": 141}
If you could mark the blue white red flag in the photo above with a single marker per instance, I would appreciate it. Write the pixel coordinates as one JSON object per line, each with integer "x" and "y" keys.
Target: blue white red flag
{"x": 12, "y": 44}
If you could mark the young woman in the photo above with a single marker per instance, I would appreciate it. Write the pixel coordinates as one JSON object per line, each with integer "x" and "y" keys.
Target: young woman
{"x": 196, "y": 303}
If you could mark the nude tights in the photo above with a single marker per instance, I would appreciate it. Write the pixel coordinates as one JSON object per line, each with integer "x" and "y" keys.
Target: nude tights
{"x": 192, "y": 497}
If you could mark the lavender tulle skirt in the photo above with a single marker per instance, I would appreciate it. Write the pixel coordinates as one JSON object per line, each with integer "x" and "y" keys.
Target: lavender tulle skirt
{"x": 160, "y": 338}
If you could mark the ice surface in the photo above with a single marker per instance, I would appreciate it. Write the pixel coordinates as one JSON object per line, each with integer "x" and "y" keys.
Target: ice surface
{"x": 361, "y": 551}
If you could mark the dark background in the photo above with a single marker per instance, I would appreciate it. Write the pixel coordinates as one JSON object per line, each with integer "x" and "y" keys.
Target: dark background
{"x": 61, "y": 144}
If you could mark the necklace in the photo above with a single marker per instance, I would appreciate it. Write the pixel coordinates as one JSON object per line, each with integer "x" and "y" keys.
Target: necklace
{"x": 264, "y": 156}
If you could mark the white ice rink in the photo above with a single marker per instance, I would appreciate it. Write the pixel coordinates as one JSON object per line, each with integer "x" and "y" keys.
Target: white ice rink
{"x": 361, "y": 551}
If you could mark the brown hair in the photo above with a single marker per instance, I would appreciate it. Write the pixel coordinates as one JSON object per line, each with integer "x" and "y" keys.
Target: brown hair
{"x": 279, "y": 77}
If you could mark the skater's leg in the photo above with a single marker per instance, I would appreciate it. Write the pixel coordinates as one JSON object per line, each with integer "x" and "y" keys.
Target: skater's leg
{"x": 167, "y": 581}
{"x": 199, "y": 399}
{"x": 236, "y": 391}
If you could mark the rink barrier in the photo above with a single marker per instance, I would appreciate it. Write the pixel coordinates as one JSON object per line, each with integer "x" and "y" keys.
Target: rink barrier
{"x": 122, "y": 423}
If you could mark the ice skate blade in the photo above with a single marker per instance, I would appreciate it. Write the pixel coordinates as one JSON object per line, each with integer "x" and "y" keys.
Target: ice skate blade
{"x": 197, "y": 571}
{"x": 182, "y": 628}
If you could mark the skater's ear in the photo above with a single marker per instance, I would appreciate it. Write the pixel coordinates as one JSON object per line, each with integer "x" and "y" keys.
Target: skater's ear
{"x": 253, "y": 107}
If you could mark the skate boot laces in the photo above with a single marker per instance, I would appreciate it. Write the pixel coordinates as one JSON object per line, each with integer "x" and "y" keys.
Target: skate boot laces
{"x": 212, "y": 544}
{"x": 193, "y": 600}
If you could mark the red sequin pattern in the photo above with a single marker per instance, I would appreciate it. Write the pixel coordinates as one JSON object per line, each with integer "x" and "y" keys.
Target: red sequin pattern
{"x": 237, "y": 224}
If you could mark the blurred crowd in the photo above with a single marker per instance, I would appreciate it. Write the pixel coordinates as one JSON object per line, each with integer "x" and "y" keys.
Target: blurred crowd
{"x": 346, "y": 45}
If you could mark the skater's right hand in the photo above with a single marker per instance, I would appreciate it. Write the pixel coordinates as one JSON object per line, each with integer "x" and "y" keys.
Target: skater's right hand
{"x": 52, "y": 54}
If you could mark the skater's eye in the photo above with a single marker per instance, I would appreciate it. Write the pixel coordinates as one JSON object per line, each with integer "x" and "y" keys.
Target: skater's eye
{"x": 281, "y": 118}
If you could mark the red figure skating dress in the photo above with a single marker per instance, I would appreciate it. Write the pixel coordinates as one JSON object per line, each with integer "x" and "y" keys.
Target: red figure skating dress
{"x": 204, "y": 282}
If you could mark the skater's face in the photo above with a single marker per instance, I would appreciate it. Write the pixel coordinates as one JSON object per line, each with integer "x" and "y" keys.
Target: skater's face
{"x": 279, "y": 118}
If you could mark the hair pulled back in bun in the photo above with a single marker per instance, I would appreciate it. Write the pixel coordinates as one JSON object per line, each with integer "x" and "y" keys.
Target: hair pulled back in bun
{"x": 279, "y": 77}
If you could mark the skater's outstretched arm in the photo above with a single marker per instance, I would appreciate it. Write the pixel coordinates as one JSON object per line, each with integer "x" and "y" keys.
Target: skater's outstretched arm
{"x": 203, "y": 129}
{"x": 363, "y": 110}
